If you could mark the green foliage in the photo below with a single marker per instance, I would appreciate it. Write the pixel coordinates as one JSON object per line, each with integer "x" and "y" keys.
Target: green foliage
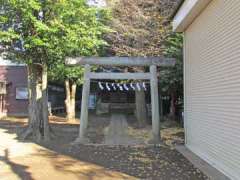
{"x": 62, "y": 72}
{"x": 172, "y": 78}
{"x": 51, "y": 30}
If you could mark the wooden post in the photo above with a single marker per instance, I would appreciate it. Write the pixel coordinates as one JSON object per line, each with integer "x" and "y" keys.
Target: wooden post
{"x": 84, "y": 106}
{"x": 155, "y": 104}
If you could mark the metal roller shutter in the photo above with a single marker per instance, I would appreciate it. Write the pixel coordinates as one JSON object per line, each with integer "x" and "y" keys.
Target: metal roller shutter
{"x": 212, "y": 86}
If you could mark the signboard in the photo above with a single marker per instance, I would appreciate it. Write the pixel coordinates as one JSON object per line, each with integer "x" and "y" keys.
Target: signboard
{"x": 21, "y": 93}
{"x": 92, "y": 101}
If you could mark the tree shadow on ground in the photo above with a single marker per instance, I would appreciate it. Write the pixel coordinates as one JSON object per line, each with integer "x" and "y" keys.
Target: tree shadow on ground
{"x": 62, "y": 163}
{"x": 17, "y": 169}
{"x": 78, "y": 167}
{"x": 145, "y": 162}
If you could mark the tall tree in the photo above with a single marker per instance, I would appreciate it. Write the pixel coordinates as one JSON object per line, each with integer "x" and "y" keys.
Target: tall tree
{"x": 139, "y": 29}
{"x": 140, "y": 26}
{"x": 171, "y": 81}
{"x": 41, "y": 33}
{"x": 71, "y": 77}
{"x": 91, "y": 46}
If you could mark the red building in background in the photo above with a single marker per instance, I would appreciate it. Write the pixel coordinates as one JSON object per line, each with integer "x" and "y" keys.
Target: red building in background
{"x": 14, "y": 92}
{"x": 13, "y": 89}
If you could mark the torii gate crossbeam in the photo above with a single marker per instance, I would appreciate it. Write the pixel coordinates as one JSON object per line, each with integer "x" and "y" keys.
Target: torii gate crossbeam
{"x": 153, "y": 62}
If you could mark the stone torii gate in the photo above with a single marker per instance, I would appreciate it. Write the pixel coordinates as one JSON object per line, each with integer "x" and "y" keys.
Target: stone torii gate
{"x": 153, "y": 62}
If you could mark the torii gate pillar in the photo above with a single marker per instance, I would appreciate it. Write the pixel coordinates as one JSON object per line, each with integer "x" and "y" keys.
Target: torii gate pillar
{"x": 84, "y": 106}
{"x": 155, "y": 104}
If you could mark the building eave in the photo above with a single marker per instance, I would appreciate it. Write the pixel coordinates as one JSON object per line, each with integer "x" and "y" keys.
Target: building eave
{"x": 4, "y": 62}
{"x": 186, "y": 14}
{"x": 175, "y": 10}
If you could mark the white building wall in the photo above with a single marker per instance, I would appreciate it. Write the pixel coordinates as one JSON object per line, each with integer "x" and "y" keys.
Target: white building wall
{"x": 212, "y": 86}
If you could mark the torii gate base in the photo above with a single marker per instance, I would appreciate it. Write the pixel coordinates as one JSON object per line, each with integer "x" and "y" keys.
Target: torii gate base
{"x": 153, "y": 62}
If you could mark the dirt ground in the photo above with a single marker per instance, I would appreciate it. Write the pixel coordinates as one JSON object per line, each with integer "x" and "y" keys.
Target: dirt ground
{"x": 60, "y": 159}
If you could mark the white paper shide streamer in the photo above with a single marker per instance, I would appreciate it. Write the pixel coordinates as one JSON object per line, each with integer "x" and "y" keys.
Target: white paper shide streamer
{"x": 108, "y": 88}
{"x": 120, "y": 87}
{"x": 100, "y": 86}
{"x": 138, "y": 87}
{"x": 132, "y": 86}
{"x": 114, "y": 87}
{"x": 125, "y": 87}
{"x": 144, "y": 86}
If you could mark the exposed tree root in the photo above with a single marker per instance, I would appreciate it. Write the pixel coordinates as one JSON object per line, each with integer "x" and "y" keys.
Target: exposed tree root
{"x": 26, "y": 133}
{"x": 52, "y": 133}
{"x": 29, "y": 134}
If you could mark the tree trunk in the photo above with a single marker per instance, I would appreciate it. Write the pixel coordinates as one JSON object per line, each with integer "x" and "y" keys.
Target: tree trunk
{"x": 45, "y": 104}
{"x": 141, "y": 111}
{"x": 160, "y": 107}
{"x": 67, "y": 100}
{"x": 34, "y": 120}
{"x": 38, "y": 125}
{"x": 70, "y": 100}
{"x": 73, "y": 101}
{"x": 172, "y": 113}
